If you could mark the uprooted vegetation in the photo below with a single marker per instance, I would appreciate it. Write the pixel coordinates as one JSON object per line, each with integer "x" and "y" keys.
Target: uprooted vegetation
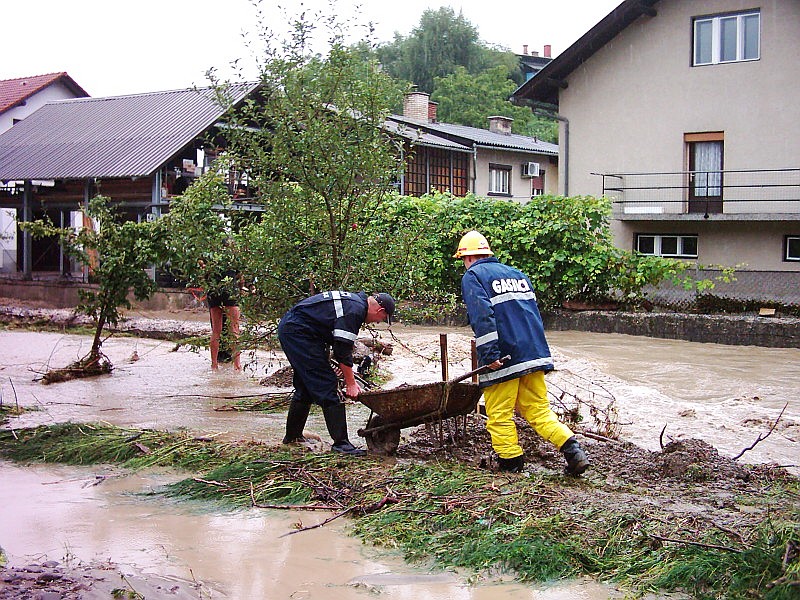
{"x": 681, "y": 519}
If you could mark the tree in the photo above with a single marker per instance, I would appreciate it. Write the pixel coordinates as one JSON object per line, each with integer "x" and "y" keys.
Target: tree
{"x": 119, "y": 254}
{"x": 197, "y": 235}
{"x": 470, "y": 99}
{"x": 319, "y": 160}
{"x": 441, "y": 42}
{"x": 470, "y": 80}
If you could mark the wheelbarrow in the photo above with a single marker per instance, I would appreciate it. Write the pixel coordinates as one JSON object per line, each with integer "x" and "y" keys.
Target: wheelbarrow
{"x": 411, "y": 405}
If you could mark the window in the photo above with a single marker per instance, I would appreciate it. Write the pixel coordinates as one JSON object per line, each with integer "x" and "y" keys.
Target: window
{"x": 792, "y": 246}
{"x": 672, "y": 246}
{"x": 727, "y": 38}
{"x": 500, "y": 179}
{"x": 705, "y": 153}
{"x": 537, "y": 184}
{"x": 432, "y": 168}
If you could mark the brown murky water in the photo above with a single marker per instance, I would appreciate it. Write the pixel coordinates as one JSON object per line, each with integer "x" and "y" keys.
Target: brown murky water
{"x": 727, "y": 395}
{"x": 231, "y": 555}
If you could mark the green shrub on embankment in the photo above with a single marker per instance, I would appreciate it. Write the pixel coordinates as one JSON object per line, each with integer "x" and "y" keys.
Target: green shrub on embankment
{"x": 542, "y": 526}
{"x": 563, "y": 243}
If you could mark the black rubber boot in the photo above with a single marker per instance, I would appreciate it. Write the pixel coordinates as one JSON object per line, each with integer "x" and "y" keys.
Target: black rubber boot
{"x": 295, "y": 422}
{"x": 577, "y": 462}
{"x": 511, "y": 465}
{"x": 336, "y": 420}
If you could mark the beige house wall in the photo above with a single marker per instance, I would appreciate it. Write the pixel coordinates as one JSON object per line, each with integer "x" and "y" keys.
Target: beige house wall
{"x": 520, "y": 186}
{"x": 720, "y": 243}
{"x": 630, "y": 104}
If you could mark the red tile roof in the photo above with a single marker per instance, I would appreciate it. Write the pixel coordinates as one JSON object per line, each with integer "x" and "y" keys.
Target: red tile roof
{"x": 15, "y": 91}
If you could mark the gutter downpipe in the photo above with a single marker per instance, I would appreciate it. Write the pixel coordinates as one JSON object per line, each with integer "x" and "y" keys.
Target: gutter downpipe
{"x": 566, "y": 150}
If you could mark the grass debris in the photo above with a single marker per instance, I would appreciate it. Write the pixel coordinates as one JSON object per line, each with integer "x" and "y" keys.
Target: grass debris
{"x": 733, "y": 534}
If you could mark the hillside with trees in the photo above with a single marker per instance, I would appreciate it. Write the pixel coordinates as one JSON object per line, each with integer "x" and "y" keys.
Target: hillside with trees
{"x": 469, "y": 79}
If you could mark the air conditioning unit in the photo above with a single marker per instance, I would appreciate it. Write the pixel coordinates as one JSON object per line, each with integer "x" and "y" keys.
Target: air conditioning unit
{"x": 530, "y": 169}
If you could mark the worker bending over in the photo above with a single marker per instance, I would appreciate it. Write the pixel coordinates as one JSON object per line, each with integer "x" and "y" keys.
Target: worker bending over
{"x": 307, "y": 332}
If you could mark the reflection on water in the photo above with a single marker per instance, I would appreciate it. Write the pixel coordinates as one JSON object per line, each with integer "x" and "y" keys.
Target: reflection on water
{"x": 58, "y": 511}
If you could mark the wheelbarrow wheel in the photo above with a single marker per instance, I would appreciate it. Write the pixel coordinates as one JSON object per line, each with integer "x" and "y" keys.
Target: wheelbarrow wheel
{"x": 383, "y": 442}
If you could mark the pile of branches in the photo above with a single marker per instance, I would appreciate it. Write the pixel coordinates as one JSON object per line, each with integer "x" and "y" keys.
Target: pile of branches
{"x": 90, "y": 365}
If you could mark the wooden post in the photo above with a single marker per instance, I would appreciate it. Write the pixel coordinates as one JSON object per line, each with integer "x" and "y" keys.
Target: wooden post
{"x": 474, "y": 354}
{"x": 473, "y": 347}
{"x": 27, "y": 244}
{"x": 443, "y": 351}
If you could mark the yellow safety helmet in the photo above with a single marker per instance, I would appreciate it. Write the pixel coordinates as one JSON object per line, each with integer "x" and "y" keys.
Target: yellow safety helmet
{"x": 473, "y": 243}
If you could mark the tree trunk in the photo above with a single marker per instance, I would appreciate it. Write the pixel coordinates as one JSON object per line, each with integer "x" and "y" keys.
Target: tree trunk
{"x": 98, "y": 332}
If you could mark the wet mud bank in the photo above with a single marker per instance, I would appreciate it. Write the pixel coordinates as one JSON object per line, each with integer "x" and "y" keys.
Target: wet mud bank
{"x": 734, "y": 330}
{"x": 173, "y": 325}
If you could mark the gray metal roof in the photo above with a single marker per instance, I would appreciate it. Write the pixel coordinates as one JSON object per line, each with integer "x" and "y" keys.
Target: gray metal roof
{"x": 121, "y": 136}
{"x": 482, "y": 137}
{"x": 420, "y": 137}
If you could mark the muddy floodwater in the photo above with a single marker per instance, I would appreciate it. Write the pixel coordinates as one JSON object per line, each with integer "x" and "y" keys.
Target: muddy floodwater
{"x": 725, "y": 395}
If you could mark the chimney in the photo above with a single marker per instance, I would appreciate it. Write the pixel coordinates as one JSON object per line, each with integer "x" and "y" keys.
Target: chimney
{"x": 432, "y": 107}
{"x": 415, "y": 106}
{"x": 534, "y": 53}
{"x": 525, "y": 49}
{"x": 547, "y": 50}
{"x": 498, "y": 124}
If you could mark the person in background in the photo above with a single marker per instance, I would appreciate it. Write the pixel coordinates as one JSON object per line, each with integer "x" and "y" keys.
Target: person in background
{"x": 222, "y": 295}
{"x": 306, "y": 332}
{"x": 505, "y": 318}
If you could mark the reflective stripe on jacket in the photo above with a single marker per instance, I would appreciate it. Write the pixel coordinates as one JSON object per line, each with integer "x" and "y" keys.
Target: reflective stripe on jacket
{"x": 505, "y": 318}
{"x": 335, "y": 317}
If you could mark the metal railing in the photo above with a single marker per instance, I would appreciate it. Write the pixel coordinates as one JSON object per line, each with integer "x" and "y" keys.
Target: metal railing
{"x": 744, "y": 192}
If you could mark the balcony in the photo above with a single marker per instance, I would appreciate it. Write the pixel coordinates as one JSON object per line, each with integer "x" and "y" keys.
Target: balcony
{"x": 736, "y": 195}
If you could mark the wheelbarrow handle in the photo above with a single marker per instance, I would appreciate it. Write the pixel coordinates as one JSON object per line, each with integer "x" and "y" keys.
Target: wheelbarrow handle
{"x": 477, "y": 371}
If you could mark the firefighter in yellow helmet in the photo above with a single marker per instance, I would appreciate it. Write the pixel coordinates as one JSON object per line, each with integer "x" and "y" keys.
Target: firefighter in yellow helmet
{"x": 505, "y": 318}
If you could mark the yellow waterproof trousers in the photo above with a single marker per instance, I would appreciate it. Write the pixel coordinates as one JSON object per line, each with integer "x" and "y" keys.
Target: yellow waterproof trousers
{"x": 528, "y": 395}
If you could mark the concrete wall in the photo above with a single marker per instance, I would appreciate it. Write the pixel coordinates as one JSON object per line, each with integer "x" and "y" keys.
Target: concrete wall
{"x": 63, "y": 294}
{"x": 719, "y": 329}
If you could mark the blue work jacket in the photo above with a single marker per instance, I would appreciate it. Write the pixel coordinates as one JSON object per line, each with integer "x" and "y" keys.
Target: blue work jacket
{"x": 505, "y": 318}
{"x": 335, "y": 317}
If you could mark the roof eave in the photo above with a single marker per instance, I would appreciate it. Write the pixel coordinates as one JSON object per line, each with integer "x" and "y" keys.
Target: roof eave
{"x": 546, "y": 84}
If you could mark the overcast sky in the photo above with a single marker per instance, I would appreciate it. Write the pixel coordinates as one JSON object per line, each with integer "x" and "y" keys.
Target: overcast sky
{"x": 113, "y": 47}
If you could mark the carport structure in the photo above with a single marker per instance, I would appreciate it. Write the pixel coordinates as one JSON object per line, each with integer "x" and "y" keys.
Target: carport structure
{"x": 139, "y": 150}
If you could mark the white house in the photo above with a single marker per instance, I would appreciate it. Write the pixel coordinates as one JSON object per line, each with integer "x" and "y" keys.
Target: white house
{"x": 19, "y": 98}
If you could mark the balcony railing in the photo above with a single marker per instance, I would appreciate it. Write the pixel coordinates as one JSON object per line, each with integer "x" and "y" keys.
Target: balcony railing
{"x": 744, "y": 193}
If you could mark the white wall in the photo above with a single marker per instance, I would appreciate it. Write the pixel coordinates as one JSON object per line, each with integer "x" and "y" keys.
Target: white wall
{"x": 520, "y": 186}
{"x": 8, "y": 228}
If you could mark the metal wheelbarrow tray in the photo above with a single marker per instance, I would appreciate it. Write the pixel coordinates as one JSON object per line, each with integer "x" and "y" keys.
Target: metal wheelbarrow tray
{"x": 411, "y": 405}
